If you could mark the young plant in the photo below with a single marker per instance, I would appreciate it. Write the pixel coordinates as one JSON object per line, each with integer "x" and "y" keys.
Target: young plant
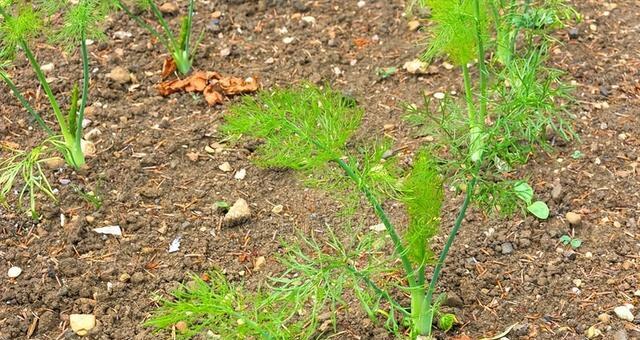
{"x": 20, "y": 25}
{"x": 524, "y": 100}
{"x": 306, "y": 128}
{"x": 179, "y": 46}
{"x": 525, "y": 192}
{"x": 568, "y": 240}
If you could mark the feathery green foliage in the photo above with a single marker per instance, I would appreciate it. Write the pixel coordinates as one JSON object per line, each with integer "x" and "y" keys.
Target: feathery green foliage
{"x": 306, "y": 127}
{"x": 26, "y": 167}
{"x": 302, "y": 128}
{"x": 179, "y": 46}
{"x": 457, "y": 29}
{"x": 526, "y": 103}
{"x": 317, "y": 276}
{"x": 25, "y": 25}
{"x": 220, "y": 308}
{"x": 423, "y": 197}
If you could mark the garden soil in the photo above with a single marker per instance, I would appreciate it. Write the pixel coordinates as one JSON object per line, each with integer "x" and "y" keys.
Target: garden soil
{"x": 157, "y": 170}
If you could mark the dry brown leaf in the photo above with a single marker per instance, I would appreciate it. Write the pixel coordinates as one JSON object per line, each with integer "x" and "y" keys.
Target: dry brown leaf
{"x": 212, "y": 85}
{"x": 232, "y": 85}
{"x": 168, "y": 67}
{"x": 212, "y": 96}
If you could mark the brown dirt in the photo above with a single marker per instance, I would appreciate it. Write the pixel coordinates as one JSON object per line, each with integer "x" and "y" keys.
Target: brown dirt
{"x": 155, "y": 192}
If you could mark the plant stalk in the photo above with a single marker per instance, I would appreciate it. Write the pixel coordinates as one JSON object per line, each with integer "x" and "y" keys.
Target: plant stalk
{"x": 400, "y": 249}
{"x": 427, "y": 317}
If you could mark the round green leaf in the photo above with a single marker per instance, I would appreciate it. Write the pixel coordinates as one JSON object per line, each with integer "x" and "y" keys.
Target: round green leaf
{"x": 524, "y": 191}
{"x": 539, "y": 209}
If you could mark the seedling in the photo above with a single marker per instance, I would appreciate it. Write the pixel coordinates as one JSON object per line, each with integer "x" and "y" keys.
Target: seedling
{"x": 575, "y": 243}
{"x": 307, "y": 128}
{"x": 92, "y": 197}
{"x": 21, "y": 24}
{"x": 577, "y": 154}
{"x": 179, "y": 46}
{"x": 386, "y": 72}
{"x": 525, "y": 192}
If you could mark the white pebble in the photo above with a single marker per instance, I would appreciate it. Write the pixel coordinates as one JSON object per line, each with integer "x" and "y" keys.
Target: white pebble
{"x": 624, "y": 313}
{"x": 361, "y": 4}
{"x": 240, "y": 174}
{"x": 288, "y": 40}
{"x": 14, "y": 272}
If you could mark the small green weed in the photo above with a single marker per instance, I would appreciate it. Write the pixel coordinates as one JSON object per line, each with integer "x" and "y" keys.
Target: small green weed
{"x": 575, "y": 243}
{"x": 179, "y": 46}
{"x": 27, "y": 167}
{"x": 92, "y": 197}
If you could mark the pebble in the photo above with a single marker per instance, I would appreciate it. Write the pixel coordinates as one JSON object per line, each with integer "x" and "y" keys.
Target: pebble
{"x": 309, "y": 20}
{"x": 181, "y": 326}
{"x": 507, "y": 248}
{"x": 415, "y": 66}
{"x": 88, "y": 148}
{"x": 439, "y": 95}
{"x": 81, "y": 324}
{"x": 574, "y": 219}
{"x": 288, "y": 40}
{"x": 137, "y": 277}
{"x": 124, "y": 277}
{"x": 604, "y": 318}
{"x": 361, "y": 4}
{"x": 624, "y": 313}
{"x": 637, "y": 293}
{"x": 593, "y": 332}
{"x": 260, "y": 261}
{"x": 240, "y": 174}
{"x": 119, "y": 75}
{"x": 237, "y": 214}
{"x": 378, "y": 227}
{"x": 620, "y": 335}
{"x": 46, "y": 68}
{"x": 556, "y": 192}
{"x": 122, "y": 35}
{"x": 54, "y": 163}
{"x": 277, "y": 209}
{"x": 225, "y": 52}
{"x": 226, "y": 167}
{"x": 574, "y": 33}
{"x": 168, "y": 8}
{"x": 413, "y": 25}
{"x": 14, "y": 272}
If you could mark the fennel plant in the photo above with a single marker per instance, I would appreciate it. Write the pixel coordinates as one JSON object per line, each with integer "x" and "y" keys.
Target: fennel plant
{"x": 179, "y": 46}
{"x": 22, "y": 22}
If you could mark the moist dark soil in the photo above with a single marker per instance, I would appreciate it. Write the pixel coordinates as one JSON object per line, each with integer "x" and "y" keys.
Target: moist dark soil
{"x": 158, "y": 182}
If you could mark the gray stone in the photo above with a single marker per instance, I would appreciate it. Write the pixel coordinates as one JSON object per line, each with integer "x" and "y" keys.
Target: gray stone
{"x": 507, "y": 248}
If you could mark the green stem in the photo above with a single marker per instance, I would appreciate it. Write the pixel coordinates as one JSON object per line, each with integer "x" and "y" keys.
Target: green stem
{"x": 165, "y": 26}
{"x": 428, "y": 299}
{"x": 468, "y": 92}
{"x": 25, "y": 103}
{"x": 484, "y": 75}
{"x": 377, "y": 289}
{"x": 144, "y": 25}
{"x": 400, "y": 249}
{"x": 47, "y": 89}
